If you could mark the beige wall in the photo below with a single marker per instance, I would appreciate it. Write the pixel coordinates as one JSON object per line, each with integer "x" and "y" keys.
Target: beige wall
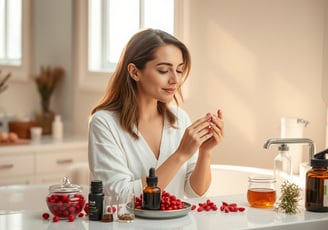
{"x": 257, "y": 60}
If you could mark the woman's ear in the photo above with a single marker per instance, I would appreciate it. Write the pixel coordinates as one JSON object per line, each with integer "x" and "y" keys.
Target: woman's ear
{"x": 133, "y": 71}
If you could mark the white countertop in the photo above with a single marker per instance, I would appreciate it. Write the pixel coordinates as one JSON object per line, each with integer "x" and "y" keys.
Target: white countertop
{"x": 46, "y": 143}
{"x": 21, "y": 207}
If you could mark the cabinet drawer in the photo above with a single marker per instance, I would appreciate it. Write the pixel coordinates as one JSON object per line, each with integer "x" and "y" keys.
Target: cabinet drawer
{"x": 21, "y": 180}
{"x": 58, "y": 162}
{"x": 16, "y": 165}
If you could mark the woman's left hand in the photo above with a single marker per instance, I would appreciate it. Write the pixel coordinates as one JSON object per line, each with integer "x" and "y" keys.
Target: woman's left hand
{"x": 217, "y": 127}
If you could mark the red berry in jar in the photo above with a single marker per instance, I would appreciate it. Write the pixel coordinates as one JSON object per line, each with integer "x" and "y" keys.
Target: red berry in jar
{"x": 65, "y": 200}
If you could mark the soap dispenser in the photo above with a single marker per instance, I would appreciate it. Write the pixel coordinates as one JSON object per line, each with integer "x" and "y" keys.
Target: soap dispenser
{"x": 151, "y": 198}
{"x": 316, "y": 198}
{"x": 283, "y": 164}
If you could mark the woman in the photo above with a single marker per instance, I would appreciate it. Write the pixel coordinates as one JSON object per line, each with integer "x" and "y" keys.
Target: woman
{"x": 135, "y": 126}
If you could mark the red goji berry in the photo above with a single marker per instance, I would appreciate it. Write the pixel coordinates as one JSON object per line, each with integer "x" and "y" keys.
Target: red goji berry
{"x": 241, "y": 209}
{"x": 45, "y": 216}
{"x": 55, "y": 219}
{"x": 200, "y": 209}
{"x": 71, "y": 218}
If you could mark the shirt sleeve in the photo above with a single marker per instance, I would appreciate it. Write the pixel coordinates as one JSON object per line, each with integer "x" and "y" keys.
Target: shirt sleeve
{"x": 107, "y": 160}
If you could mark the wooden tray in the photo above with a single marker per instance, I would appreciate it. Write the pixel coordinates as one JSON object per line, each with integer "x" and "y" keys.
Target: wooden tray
{"x": 18, "y": 142}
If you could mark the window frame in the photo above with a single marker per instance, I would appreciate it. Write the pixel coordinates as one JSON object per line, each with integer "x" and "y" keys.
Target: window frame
{"x": 95, "y": 81}
{"x": 22, "y": 72}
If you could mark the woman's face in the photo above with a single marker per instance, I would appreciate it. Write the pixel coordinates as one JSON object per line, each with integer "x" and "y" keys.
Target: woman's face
{"x": 162, "y": 76}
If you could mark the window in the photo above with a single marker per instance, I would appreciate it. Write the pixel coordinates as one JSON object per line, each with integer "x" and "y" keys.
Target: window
{"x": 10, "y": 32}
{"x": 14, "y": 26}
{"x": 113, "y": 22}
{"x": 104, "y": 27}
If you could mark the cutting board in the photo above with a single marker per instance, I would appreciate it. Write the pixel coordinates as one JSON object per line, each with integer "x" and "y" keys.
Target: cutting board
{"x": 18, "y": 142}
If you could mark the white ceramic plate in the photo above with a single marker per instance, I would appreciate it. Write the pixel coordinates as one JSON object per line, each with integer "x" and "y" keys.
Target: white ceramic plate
{"x": 159, "y": 214}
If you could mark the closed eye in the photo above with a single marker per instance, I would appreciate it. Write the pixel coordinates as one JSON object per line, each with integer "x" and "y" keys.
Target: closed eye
{"x": 163, "y": 71}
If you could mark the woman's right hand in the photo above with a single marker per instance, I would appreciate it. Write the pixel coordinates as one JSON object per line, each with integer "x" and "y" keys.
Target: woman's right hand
{"x": 196, "y": 134}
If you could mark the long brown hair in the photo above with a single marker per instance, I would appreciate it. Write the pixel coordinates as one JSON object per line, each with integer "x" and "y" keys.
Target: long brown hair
{"x": 120, "y": 95}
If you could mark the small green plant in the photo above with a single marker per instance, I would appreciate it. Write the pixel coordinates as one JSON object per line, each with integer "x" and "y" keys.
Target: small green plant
{"x": 290, "y": 196}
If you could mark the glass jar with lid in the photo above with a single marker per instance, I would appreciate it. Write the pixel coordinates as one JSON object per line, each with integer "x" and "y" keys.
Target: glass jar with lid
{"x": 65, "y": 199}
{"x": 261, "y": 191}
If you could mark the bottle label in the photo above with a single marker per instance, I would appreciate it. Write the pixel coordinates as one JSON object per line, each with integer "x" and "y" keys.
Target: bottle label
{"x": 151, "y": 201}
{"x": 95, "y": 206}
{"x": 325, "y": 193}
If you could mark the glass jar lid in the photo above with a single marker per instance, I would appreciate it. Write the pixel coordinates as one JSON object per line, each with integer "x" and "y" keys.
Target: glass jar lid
{"x": 262, "y": 179}
{"x": 65, "y": 187}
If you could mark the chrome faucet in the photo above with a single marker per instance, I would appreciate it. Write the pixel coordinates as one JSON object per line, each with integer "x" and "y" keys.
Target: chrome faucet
{"x": 292, "y": 141}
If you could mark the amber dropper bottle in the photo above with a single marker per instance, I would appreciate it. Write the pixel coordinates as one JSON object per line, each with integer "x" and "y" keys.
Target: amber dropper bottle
{"x": 151, "y": 198}
{"x": 316, "y": 199}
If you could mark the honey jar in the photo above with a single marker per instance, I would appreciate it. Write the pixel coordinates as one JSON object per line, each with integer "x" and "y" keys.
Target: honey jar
{"x": 261, "y": 191}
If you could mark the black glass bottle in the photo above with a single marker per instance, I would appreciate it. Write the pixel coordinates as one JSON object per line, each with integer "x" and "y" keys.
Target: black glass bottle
{"x": 96, "y": 199}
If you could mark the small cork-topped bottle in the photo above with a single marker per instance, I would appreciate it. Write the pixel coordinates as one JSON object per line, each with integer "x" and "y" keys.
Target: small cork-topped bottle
{"x": 151, "y": 198}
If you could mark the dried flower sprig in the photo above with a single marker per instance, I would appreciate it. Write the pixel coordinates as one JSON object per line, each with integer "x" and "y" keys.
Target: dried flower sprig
{"x": 3, "y": 85}
{"x": 46, "y": 82}
{"x": 290, "y": 196}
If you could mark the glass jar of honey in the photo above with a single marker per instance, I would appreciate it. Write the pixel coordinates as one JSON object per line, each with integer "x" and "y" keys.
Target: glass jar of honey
{"x": 261, "y": 191}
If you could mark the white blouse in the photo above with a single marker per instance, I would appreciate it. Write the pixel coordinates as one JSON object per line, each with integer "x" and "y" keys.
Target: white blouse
{"x": 120, "y": 161}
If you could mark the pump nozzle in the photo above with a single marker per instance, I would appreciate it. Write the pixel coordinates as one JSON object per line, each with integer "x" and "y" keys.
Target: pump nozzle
{"x": 321, "y": 155}
{"x": 319, "y": 159}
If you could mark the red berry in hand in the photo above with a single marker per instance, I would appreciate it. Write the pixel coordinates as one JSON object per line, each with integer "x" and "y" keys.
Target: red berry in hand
{"x": 45, "y": 216}
{"x": 81, "y": 214}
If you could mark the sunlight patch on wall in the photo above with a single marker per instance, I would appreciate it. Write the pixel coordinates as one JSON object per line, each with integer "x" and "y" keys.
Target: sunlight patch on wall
{"x": 237, "y": 112}
{"x": 293, "y": 101}
{"x": 233, "y": 73}
{"x": 232, "y": 57}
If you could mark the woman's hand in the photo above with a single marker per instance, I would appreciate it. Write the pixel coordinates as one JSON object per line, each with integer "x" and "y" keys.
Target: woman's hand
{"x": 197, "y": 134}
{"x": 217, "y": 129}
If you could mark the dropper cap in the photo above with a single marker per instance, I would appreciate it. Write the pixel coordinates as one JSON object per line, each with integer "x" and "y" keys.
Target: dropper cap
{"x": 319, "y": 159}
{"x": 152, "y": 178}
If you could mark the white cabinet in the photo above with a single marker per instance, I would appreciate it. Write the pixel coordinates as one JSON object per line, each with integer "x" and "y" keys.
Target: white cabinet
{"x": 57, "y": 164}
{"x": 47, "y": 162}
{"x": 16, "y": 168}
